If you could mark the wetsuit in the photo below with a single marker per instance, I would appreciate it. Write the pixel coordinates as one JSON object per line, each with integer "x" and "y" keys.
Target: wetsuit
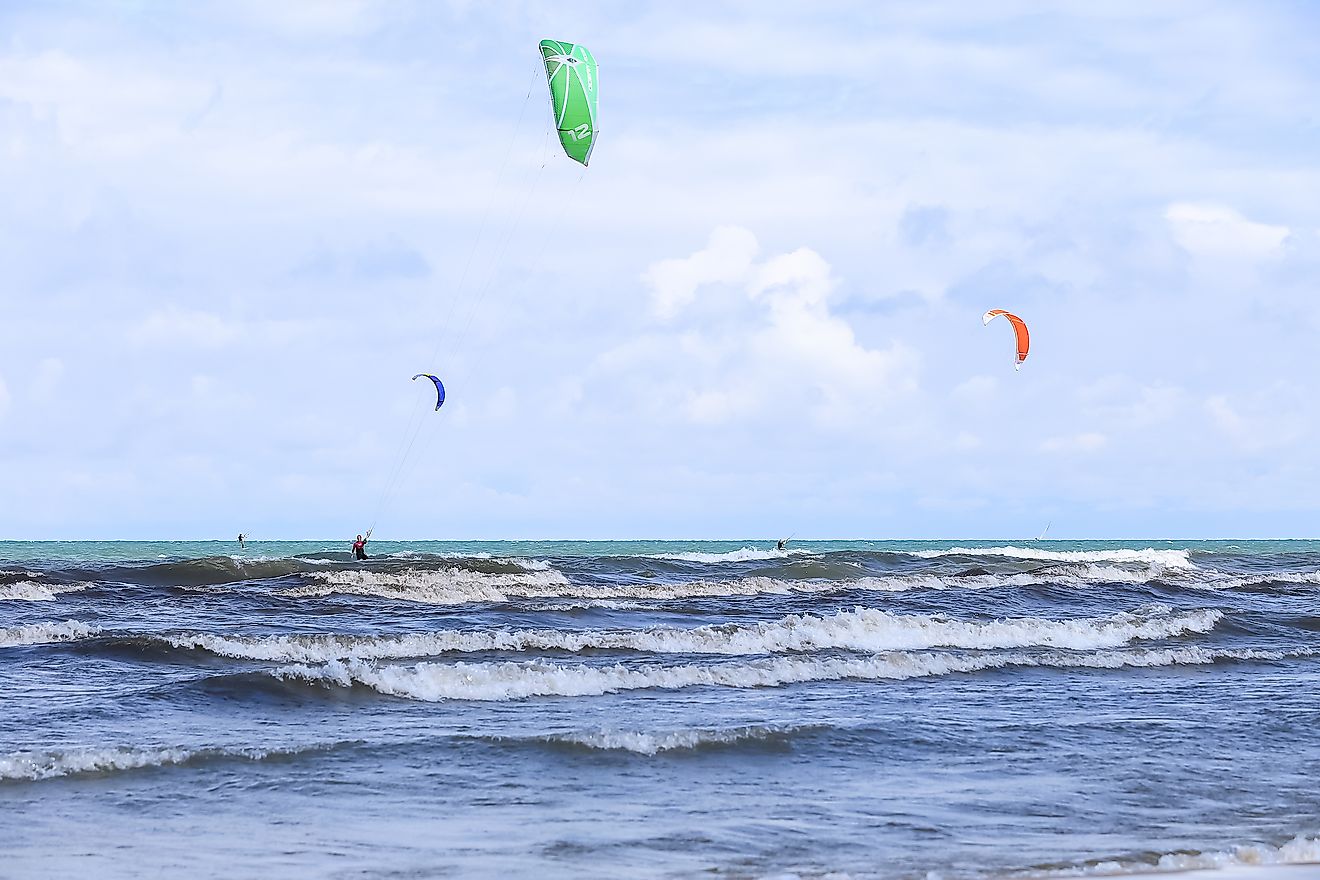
{"x": 359, "y": 549}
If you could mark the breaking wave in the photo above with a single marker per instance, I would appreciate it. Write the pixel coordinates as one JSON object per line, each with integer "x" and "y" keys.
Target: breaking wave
{"x": 32, "y": 591}
{"x": 45, "y": 633}
{"x": 862, "y": 629}
{"x": 458, "y": 586}
{"x": 434, "y": 682}
{"x": 745, "y": 554}
{"x": 53, "y": 764}
{"x": 1273, "y": 579}
{"x": 644, "y": 743}
{"x": 1148, "y": 556}
{"x": 446, "y": 586}
{"x": 1298, "y": 851}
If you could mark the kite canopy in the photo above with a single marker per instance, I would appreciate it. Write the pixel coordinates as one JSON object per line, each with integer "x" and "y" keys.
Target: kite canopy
{"x": 1019, "y": 331}
{"x": 439, "y": 388}
{"x": 571, "y": 73}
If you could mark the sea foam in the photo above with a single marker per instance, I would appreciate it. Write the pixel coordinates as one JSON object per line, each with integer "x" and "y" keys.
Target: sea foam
{"x": 1147, "y": 556}
{"x": 461, "y": 586}
{"x": 446, "y": 586}
{"x": 1298, "y": 851}
{"x": 649, "y": 743}
{"x": 861, "y": 629}
{"x": 433, "y": 682}
{"x": 33, "y": 591}
{"x": 45, "y": 633}
{"x": 32, "y": 765}
{"x": 744, "y": 554}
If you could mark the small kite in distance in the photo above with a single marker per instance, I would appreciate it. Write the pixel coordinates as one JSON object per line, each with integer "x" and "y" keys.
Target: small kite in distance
{"x": 1019, "y": 331}
{"x": 439, "y": 388}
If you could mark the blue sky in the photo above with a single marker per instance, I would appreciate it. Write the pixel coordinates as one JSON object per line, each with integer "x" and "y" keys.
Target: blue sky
{"x": 232, "y": 231}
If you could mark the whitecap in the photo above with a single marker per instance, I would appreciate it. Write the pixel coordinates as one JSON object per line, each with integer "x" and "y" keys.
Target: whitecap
{"x": 1147, "y": 556}
{"x": 33, "y": 591}
{"x": 434, "y": 682}
{"x": 1298, "y": 851}
{"x": 46, "y": 633}
{"x": 861, "y": 629}
{"x": 37, "y": 765}
{"x": 653, "y": 743}
{"x": 745, "y": 554}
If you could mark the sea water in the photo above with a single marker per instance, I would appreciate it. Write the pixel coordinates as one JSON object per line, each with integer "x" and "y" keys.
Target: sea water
{"x": 658, "y": 709}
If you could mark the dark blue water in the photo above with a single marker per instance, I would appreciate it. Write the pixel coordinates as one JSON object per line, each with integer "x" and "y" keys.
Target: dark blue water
{"x": 894, "y": 710}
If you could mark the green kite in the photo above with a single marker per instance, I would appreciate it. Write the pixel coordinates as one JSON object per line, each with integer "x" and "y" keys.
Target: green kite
{"x": 571, "y": 73}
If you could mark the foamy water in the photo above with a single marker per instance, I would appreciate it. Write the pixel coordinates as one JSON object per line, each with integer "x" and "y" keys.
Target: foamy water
{"x": 861, "y": 629}
{"x": 44, "y": 633}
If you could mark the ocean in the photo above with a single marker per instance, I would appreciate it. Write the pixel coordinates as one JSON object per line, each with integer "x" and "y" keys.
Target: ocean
{"x": 857, "y": 709}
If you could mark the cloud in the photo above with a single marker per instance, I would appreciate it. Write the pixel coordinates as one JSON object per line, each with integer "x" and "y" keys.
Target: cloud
{"x": 178, "y": 327}
{"x": 308, "y": 18}
{"x": 767, "y": 342}
{"x": 1273, "y": 429}
{"x": 1219, "y": 232}
{"x": 299, "y": 188}
{"x": 726, "y": 259}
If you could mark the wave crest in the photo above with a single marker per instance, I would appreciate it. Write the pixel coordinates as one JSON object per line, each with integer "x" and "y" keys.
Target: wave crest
{"x": 1147, "y": 556}
{"x": 46, "y": 633}
{"x": 445, "y": 586}
{"x": 461, "y": 585}
{"x": 35, "y": 766}
{"x": 435, "y": 682}
{"x": 644, "y": 743}
{"x": 861, "y": 629}
{"x": 1300, "y": 850}
{"x": 745, "y": 554}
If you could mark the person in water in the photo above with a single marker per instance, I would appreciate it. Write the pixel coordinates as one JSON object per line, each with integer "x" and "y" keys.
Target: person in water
{"x": 360, "y": 548}
{"x": 241, "y": 536}
{"x": 779, "y": 545}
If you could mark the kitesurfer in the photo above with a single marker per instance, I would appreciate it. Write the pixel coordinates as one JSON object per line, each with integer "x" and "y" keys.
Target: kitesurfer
{"x": 241, "y": 537}
{"x": 779, "y": 545}
{"x": 360, "y": 548}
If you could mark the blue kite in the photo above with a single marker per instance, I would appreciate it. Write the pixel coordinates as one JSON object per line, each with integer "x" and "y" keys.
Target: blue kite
{"x": 439, "y": 388}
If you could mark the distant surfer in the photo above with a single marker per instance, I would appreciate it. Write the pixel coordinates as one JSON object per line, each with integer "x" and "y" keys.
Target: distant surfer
{"x": 241, "y": 538}
{"x": 781, "y": 543}
{"x": 360, "y": 547}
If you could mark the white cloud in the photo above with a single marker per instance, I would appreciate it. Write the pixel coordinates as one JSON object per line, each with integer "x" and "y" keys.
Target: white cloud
{"x": 1269, "y": 429}
{"x": 1219, "y": 232}
{"x": 774, "y": 346}
{"x": 177, "y": 187}
{"x": 726, "y": 259}
{"x": 308, "y": 17}
{"x": 179, "y": 327}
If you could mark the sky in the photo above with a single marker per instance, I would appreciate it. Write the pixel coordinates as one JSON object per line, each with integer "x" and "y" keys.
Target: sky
{"x": 232, "y": 231}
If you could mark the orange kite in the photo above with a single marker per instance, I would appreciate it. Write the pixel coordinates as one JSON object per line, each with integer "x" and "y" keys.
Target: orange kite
{"x": 1019, "y": 330}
